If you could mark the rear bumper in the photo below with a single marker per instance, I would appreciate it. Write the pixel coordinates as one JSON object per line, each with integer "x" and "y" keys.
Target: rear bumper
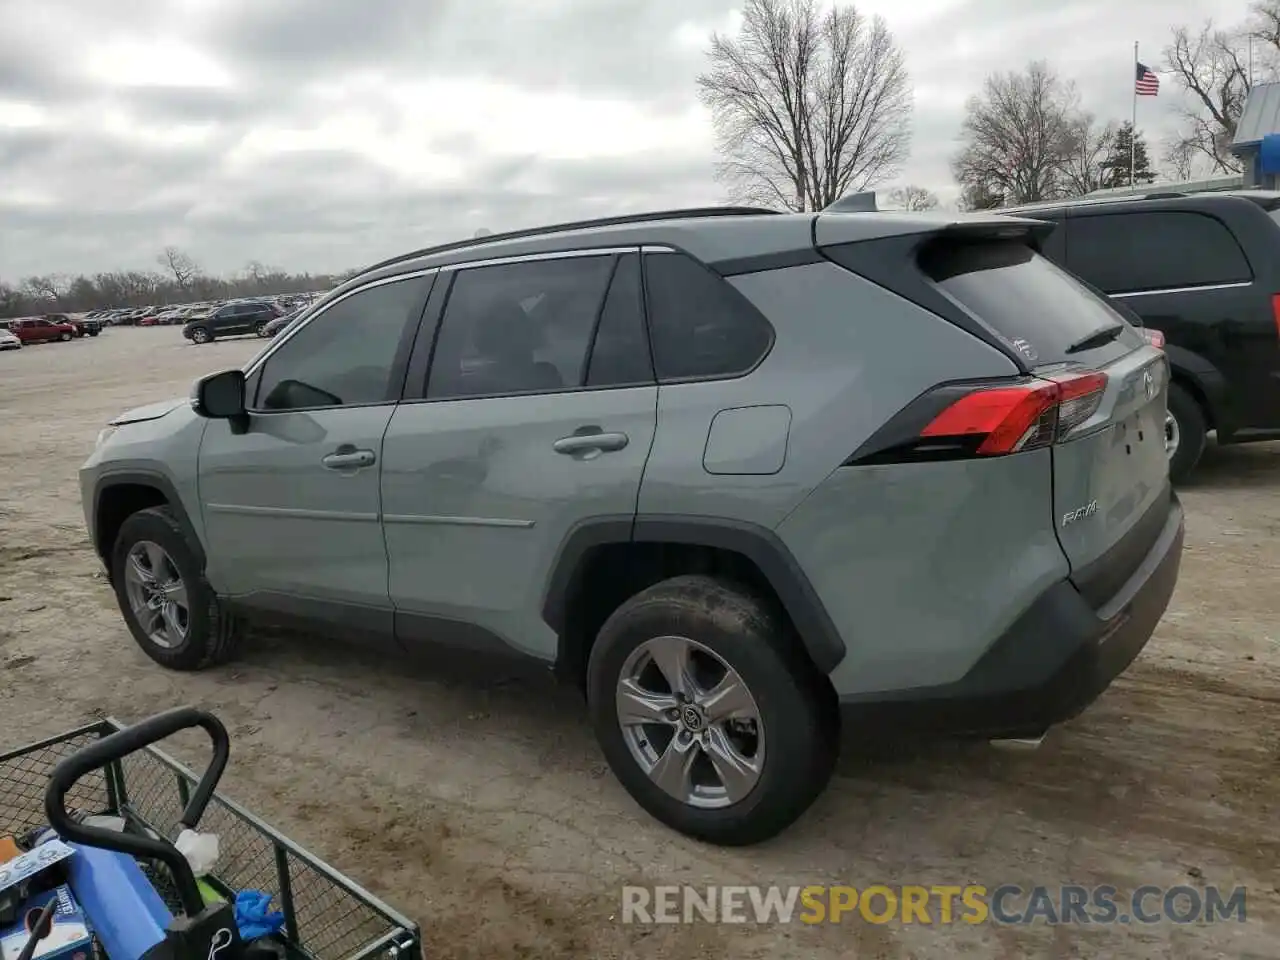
{"x": 1054, "y": 661}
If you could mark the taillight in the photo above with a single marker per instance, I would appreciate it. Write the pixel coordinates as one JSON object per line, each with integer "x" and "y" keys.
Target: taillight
{"x": 959, "y": 421}
{"x": 1153, "y": 337}
{"x": 1275, "y": 311}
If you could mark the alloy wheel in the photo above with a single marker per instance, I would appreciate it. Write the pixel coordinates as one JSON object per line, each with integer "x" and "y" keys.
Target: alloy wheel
{"x": 1172, "y": 435}
{"x": 690, "y": 722}
{"x": 157, "y": 594}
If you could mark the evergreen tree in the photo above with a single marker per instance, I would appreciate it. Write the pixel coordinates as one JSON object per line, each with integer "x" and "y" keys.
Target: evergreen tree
{"x": 1116, "y": 165}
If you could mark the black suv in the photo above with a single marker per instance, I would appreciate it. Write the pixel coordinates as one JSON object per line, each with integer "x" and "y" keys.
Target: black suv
{"x": 1204, "y": 270}
{"x": 231, "y": 319}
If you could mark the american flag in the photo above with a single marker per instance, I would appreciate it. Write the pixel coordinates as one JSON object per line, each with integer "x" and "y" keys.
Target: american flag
{"x": 1148, "y": 84}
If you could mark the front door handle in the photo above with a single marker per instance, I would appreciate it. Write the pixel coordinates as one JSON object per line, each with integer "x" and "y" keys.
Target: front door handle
{"x": 589, "y": 442}
{"x": 347, "y": 457}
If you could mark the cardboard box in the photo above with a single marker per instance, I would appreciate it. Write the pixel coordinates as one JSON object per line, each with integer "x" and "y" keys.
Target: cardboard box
{"x": 69, "y": 938}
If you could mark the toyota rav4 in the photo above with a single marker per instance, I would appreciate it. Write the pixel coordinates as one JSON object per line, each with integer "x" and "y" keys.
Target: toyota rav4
{"x": 749, "y": 479}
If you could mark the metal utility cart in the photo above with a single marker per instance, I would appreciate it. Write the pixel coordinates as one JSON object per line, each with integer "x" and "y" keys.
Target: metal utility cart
{"x": 327, "y": 916}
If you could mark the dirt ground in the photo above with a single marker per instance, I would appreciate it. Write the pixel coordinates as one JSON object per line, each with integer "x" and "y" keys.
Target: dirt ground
{"x": 480, "y": 806}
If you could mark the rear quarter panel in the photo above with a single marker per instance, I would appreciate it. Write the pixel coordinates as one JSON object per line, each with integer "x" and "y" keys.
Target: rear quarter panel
{"x": 847, "y": 356}
{"x": 923, "y": 566}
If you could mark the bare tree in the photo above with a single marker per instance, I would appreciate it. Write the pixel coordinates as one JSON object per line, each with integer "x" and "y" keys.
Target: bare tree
{"x": 47, "y": 288}
{"x": 1264, "y": 27}
{"x": 1017, "y": 137}
{"x": 1182, "y": 160}
{"x": 1211, "y": 66}
{"x": 255, "y": 271}
{"x": 180, "y": 264}
{"x": 980, "y": 196}
{"x": 808, "y": 104}
{"x": 912, "y": 197}
{"x": 1086, "y": 164}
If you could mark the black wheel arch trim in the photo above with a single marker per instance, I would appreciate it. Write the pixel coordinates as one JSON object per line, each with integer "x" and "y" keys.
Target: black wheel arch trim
{"x": 1206, "y": 377}
{"x": 758, "y": 544}
{"x": 164, "y": 486}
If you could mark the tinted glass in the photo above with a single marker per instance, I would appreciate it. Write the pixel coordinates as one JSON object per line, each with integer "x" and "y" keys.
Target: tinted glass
{"x": 518, "y": 327}
{"x": 620, "y": 354}
{"x": 346, "y": 354}
{"x": 699, "y": 325}
{"x": 1040, "y": 309}
{"x": 1151, "y": 251}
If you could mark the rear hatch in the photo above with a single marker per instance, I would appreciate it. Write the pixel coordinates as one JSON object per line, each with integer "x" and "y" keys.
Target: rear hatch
{"x": 1111, "y": 492}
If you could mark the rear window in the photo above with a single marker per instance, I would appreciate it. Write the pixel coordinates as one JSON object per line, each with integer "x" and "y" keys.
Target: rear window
{"x": 1157, "y": 250}
{"x": 1036, "y": 307}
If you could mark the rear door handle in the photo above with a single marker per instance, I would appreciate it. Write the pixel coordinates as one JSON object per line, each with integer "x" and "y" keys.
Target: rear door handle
{"x": 347, "y": 457}
{"x": 585, "y": 444}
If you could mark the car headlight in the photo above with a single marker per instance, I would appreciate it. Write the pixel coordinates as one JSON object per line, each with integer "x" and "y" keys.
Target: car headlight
{"x": 104, "y": 434}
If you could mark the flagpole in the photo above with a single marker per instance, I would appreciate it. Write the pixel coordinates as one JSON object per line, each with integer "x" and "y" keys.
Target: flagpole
{"x": 1133, "y": 126}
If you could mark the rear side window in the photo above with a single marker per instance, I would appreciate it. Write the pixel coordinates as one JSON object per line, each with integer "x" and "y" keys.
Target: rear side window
{"x": 1159, "y": 250}
{"x": 518, "y": 327}
{"x": 620, "y": 352}
{"x": 1035, "y": 306}
{"x": 701, "y": 328}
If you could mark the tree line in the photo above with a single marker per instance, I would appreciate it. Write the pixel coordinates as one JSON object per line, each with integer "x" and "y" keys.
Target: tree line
{"x": 178, "y": 279}
{"x": 811, "y": 101}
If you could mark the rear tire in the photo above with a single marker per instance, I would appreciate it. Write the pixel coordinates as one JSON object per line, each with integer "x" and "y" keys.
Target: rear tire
{"x": 260, "y": 329}
{"x": 1186, "y": 430}
{"x": 789, "y": 756}
{"x": 209, "y": 636}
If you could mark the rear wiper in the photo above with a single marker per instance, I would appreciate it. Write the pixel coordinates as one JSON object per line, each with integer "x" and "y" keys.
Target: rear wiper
{"x": 1097, "y": 338}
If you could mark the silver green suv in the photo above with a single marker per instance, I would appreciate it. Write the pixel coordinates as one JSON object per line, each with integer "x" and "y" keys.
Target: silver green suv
{"x": 748, "y": 478}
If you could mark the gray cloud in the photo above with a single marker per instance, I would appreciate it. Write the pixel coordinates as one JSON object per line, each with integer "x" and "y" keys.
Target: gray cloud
{"x": 117, "y": 163}
{"x": 616, "y": 46}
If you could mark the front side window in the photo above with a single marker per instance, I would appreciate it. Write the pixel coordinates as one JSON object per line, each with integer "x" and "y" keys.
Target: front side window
{"x": 346, "y": 354}
{"x": 518, "y": 327}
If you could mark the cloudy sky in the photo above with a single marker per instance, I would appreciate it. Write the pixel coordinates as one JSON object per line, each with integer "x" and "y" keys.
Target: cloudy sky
{"x": 325, "y": 134}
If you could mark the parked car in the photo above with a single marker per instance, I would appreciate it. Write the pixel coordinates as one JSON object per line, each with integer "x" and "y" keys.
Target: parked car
{"x": 9, "y": 340}
{"x": 232, "y": 319}
{"x": 92, "y": 325}
{"x": 80, "y": 326}
{"x": 40, "y": 330}
{"x": 280, "y": 323}
{"x": 1203, "y": 269}
{"x": 871, "y": 469}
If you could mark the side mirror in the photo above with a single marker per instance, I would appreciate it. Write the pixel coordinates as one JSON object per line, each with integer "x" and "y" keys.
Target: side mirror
{"x": 220, "y": 396}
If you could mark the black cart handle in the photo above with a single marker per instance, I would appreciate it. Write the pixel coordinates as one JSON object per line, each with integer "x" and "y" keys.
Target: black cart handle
{"x": 115, "y": 747}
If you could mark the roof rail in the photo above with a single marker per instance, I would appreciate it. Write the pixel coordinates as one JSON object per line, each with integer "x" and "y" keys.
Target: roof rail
{"x": 1164, "y": 195}
{"x": 690, "y": 213}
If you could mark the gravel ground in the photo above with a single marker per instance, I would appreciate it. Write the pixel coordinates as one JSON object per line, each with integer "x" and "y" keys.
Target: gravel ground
{"x": 479, "y": 805}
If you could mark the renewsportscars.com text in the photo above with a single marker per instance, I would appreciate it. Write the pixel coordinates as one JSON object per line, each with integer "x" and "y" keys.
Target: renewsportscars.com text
{"x": 934, "y": 904}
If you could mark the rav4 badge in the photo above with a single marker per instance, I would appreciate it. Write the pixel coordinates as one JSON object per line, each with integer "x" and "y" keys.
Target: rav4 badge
{"x": 1088, "y": 510}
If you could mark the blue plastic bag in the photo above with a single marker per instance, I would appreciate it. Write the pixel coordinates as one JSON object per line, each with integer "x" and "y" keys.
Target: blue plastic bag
{"x": 253, "y": 917}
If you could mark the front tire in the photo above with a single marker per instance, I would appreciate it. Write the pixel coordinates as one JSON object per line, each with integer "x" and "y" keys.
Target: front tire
{"x": 260, "y": 329}
{"x": 708, "y": 712}
{"x": 1185, "y": 433}
{"x": 64, "y": 337}
{"x": 201, "y": 335}
{"x": 166, "y": 602}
